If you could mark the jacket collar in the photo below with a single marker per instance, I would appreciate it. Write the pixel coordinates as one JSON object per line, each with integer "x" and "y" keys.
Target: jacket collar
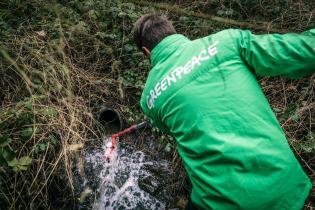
{"x": 166, "y": 47}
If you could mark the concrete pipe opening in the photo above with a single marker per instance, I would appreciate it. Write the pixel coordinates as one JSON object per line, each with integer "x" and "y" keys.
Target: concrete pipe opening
{"x": 110, "y": 120}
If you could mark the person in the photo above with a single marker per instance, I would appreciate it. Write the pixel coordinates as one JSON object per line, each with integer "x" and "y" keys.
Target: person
{"x": 205, "y": 94}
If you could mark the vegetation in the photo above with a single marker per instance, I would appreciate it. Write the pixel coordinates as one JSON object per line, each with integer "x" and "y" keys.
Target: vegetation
{"x": 60, "y": 61}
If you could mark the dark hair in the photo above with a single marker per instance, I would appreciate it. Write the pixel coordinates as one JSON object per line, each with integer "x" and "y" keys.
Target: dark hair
{"x": 150, "y": 29}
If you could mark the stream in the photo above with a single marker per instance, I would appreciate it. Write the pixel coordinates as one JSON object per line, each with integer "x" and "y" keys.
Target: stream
{"x": 130, "y": 180}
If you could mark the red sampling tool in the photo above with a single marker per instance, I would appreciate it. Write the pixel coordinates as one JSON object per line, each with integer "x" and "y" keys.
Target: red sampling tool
{"x": 110, "y": 150}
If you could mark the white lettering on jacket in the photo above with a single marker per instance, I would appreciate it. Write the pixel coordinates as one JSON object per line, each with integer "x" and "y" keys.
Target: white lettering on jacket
{"x": 179, "y": 73}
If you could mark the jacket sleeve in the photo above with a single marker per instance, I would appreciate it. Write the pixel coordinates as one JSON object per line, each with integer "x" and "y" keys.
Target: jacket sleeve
{"x": 154, "y": 121}
{"x": 291, "y": 55}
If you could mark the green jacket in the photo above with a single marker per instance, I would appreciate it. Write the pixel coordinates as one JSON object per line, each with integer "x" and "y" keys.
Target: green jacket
{"x": 205, "y": 94}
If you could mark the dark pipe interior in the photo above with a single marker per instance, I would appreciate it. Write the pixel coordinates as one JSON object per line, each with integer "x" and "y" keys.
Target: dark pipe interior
{"x": 111, "y": 120}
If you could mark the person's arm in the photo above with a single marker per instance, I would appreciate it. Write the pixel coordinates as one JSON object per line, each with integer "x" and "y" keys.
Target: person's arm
{"x": 291, "y": 55}
{"x": 160, "y": 125}
{"x": 154, "y": 121}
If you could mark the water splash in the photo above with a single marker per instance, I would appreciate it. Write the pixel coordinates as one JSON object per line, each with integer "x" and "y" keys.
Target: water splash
{"x": 119, "y": 180}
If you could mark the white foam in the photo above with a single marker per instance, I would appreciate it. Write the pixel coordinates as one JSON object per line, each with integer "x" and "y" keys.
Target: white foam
{"x": 109, "y": 144}
{"x": 119, "y": 188}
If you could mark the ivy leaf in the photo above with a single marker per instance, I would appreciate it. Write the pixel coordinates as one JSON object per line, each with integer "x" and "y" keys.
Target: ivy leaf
{"x": 295, "y": 117}
{"x": 25, "y": 161}
{"x": 21, "y": 164}
{"x": 278, "y": 110}
{"x": 7, "y": 154}
{"x": 50, "y": 112}
{"x": 4, "y": 140}
{"x": 13, "y": 162}
{"x": 128, "y": 47}
{"x": 29, "y": 105}
{"x": 42, "y": 147}
{"x": 27, "y": 133}
{"x": 168, "y": 147}
{"x": 2, "y": 161}
{"x": 37, "y": 81}
{"x": 53, "y": 139}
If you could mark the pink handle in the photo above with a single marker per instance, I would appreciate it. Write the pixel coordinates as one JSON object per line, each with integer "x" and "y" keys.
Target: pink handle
{"x": 114, "y": 136}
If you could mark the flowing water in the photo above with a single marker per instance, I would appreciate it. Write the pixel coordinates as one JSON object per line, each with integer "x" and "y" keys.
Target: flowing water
{"x": 120, "y": 178}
